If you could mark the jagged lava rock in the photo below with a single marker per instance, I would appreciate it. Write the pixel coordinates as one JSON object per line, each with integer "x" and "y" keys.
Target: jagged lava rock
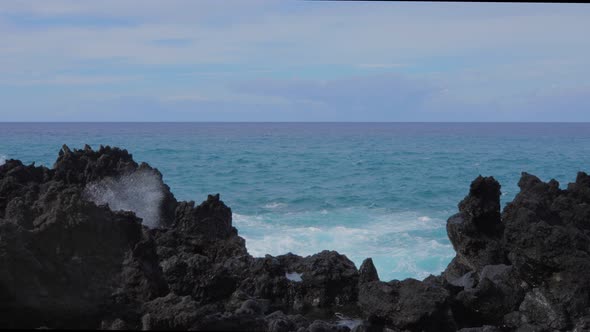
{"x": 65, "y": 261}
{"x": 476, "y": 230}
{"x": 70, "y": 261}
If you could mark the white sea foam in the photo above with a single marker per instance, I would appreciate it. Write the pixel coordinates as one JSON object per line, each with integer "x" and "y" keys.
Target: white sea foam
{"x": 405, "y": 244}
{"x": 293, "y": 276}
{"x": 140, "y": 192}
{"x": 275, "y": 205}
{"x": 2, "y": 160}
{"x": 350, "y": 323}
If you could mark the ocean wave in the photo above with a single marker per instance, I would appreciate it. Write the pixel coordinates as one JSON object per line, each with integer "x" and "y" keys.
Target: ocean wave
{"x": 275, "y": 205}
{"x": 404, "y": 244}
{"x": 2, "y": 160}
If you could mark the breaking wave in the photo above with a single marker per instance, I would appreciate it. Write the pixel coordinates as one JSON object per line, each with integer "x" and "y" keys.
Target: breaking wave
{"x": 2, "y": 160}
{"x": 140, "y": 192}
{"x": 402, "y": 244}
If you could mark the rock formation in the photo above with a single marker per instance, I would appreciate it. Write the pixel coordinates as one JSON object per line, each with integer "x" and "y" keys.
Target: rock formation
{"x": 72, "y": 260}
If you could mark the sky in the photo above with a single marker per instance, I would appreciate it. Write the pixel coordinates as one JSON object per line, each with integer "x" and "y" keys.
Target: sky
{"x": 176, "y": 60}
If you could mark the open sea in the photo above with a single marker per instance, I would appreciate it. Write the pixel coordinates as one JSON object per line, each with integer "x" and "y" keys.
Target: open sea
{"x": 380, "y": 190}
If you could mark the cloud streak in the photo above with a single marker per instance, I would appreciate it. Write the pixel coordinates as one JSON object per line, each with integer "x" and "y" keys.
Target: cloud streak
{"x": 433, "y": 60}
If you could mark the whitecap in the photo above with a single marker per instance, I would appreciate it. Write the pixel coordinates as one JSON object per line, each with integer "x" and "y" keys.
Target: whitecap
{"x": 2, "y": 160}
{"x": 247, "y": 220}
{"x": 275, "y": 205}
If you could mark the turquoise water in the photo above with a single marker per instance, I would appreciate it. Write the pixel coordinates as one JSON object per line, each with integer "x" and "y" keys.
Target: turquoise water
{"x": 381, "y": 190}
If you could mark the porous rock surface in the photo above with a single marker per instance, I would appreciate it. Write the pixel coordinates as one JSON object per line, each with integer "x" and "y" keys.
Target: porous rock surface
{"x": 67, "y": 262}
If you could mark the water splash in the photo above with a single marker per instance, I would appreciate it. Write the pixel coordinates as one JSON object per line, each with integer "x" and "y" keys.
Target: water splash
{"x": 402, "y": 244}
{"x": 140, "y": 192}
{"x": 293, "y": 276}
{"x": 2, "y": 160}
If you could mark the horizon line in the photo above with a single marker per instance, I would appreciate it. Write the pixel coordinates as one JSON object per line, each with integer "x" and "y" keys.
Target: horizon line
{"x": 307, "y": 122}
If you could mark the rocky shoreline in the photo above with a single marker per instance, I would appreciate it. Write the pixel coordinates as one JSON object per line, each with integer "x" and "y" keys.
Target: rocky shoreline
{"x": 69, "y": 262}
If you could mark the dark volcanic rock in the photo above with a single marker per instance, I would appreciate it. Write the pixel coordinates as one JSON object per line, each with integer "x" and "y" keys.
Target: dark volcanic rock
{"x": 328, "y": 282}
{"x": 408, "y": 304}
{"x": 69, "y": 261}
{"x": 212, "y": 218}
{"x": 78, "y": 259}
{"x": 368, "y": 272}
{"x": 548, "y": 239}
{"x": 171, "y": 312}
{"x": 476, "y": 230}
{"x": 525, "y": 269}
{"x": 488, "y": 296}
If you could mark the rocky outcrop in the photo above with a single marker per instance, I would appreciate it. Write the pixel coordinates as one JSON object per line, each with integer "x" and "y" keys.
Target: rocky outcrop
{"x": 543, "y": 282}
{"x": 75, "y": 253}
{"x": 409, "y": 304}
{"x": 526, "y": 268}
{"x": 69, "y": 260}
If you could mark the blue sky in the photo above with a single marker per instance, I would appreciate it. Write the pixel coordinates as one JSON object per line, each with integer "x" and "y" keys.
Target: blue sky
{"x": 115, "y": 60}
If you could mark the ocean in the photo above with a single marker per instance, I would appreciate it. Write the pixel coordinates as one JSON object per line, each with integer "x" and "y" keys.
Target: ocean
{"x": 380, "y": 190}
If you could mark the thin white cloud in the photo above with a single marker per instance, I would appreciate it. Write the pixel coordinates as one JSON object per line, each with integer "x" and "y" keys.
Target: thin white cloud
{"x": 276, "y": 36}
{"x": 186, "y": 97}
{"x": 71, "y": 80}
{"x": 368, "y": 37}
{"x": 381, "y": 65}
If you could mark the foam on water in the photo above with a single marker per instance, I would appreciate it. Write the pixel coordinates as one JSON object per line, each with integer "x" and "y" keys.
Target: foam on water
{"x": 343, "y": 186}
{"x": 140, "y": 192}
{"x": 402, "y": 244}
{"x": 275, "y": 205}
{"x": 2, "y": 160}
{"x": 350, "y": 323}
{"x": 293, "y": 276}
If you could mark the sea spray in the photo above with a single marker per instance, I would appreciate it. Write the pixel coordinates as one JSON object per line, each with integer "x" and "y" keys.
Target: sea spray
{"x": 141, "y": 192}
{"x": 2, "y": 160}
{"x": 402, "y": 244}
